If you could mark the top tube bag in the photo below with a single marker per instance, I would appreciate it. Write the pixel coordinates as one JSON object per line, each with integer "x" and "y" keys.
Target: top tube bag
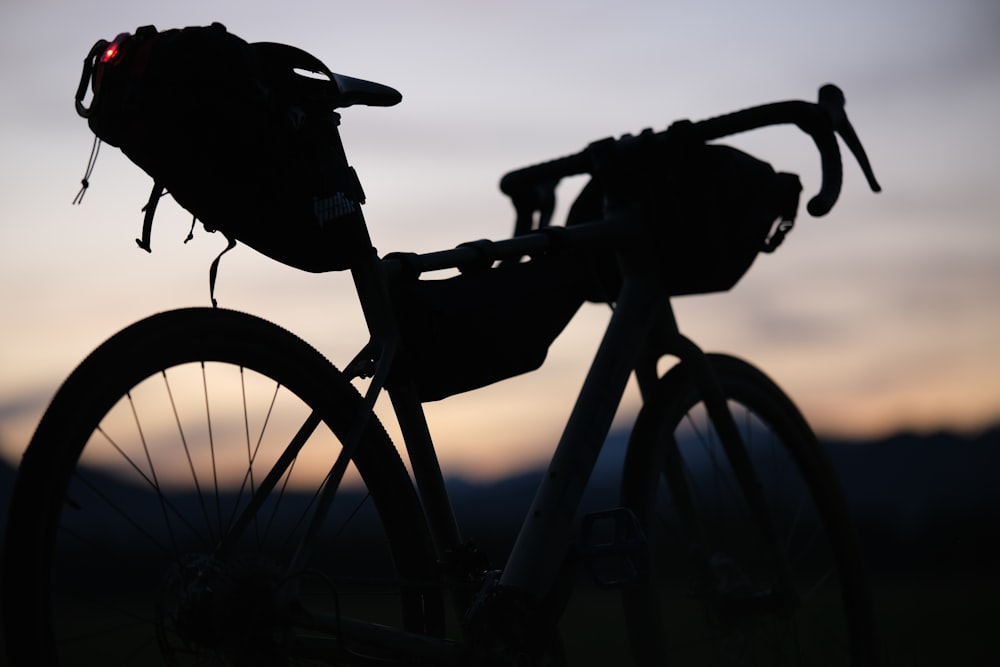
{"x": 485, "y": 324}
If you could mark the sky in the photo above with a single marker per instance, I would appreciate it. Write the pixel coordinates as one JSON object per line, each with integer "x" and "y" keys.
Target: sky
{"x": 882, "y": 316}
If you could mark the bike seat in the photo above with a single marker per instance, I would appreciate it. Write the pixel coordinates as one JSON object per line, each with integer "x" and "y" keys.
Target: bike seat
{"x": 283, "y": 59}
{"x": 368, "y": 93}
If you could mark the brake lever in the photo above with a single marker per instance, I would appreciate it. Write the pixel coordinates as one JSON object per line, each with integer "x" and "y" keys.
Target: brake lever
{"x": 831, "y": 100}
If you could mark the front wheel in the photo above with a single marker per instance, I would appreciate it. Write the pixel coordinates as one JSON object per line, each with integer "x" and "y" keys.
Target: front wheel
{"x": 160, "y": 510}
{"x": 724, "y": 588}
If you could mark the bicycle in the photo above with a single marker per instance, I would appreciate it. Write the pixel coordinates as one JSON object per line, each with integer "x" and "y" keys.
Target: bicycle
{"x": 206, "y": 488}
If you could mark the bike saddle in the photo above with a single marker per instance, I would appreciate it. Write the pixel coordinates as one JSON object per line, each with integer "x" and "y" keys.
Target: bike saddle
{"x": 350, "y": 91}
{"x": 368, "y": 93}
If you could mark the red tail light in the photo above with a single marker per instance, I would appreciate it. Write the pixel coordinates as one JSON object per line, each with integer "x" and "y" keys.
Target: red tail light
{"x": 112, "y": 49}
{"x": 109, "y": 53}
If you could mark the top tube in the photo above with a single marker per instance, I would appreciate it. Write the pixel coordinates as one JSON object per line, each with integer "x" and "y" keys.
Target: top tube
{"x": 486, "y": 252}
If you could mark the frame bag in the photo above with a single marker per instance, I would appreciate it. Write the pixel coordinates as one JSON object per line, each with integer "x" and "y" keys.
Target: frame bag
{"x": 486, "y": 324}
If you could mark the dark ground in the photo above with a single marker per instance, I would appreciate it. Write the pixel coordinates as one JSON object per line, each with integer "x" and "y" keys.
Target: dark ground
{"x": 927, "y": 509}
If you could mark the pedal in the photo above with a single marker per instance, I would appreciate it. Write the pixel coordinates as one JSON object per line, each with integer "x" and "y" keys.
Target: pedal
{"x": 613, "y": 548}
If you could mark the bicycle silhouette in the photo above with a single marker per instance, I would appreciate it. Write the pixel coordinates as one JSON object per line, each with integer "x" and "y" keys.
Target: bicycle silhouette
{"x": 206, "y": 488}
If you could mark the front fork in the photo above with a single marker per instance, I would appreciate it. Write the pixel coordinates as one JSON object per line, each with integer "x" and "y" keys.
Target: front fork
{"x": 666, "y": 339}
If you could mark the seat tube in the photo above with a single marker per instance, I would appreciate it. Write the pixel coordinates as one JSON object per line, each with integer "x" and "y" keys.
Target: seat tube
{"x": 382, "y": 325}
{"x": 546, "y": 534}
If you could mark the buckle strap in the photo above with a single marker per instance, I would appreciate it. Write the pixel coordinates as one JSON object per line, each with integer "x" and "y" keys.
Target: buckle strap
{"x": 147, "y": 221}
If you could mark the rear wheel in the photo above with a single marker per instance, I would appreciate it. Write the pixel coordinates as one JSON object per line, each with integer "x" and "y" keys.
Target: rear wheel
{"x": 142, "y": 530}
{"x": 720, "y": 591}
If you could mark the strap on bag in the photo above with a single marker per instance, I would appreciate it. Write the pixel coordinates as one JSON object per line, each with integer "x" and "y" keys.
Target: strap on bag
{"x": 213, "y": 271}
{"x": 147, "y": 220}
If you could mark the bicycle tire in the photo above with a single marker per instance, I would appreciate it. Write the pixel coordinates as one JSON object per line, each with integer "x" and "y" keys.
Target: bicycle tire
{"x": 157, "y": 595}
{"x": 714, "y": 594}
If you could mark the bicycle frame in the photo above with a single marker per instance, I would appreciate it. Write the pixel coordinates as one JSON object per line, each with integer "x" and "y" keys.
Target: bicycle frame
{"x": 642, "y": 329}
{"x": 592, "y": 416}
{"x": 507, "y": 615}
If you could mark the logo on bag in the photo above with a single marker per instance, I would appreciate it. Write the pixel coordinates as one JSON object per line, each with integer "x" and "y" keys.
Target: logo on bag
{"x": 331, "y": 208}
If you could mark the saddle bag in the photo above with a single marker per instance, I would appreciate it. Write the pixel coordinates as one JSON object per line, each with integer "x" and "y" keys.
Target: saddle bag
{"x": 237, "y": 133}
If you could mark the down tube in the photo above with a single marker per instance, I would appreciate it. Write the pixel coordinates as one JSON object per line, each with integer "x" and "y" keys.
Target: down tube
{"x": 546, "y": 534}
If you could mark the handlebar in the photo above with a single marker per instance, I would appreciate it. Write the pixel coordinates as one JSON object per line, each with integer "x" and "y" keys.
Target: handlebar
{"x": 822, "y": 120}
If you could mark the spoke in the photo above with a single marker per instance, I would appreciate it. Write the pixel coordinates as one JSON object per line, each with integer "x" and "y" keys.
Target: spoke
{"x": 708, "y": 443}
{"x": 248, "y": 477}
{"x": 278, "y": 501}
{"x": 327, "y": 491}
{"x": 154, "y": 482}
{"x": 187, "y": 452}
{"x": 281, "y": 466}
{"x": 164, "y": 501}
{"x": 211, "y": 447}
{"x": 350, "y": 517}
{"x": 312, "y": 502}
{"x": 128, "y": 459}
{"x": 246, "y": 431}
{"x": 128, "y": 519}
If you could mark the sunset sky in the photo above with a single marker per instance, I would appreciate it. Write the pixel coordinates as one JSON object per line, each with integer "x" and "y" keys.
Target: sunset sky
{"x": 884, "y": 315}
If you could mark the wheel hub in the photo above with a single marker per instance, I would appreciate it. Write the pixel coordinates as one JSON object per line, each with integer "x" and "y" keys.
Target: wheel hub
{"x": 227, "y": 609}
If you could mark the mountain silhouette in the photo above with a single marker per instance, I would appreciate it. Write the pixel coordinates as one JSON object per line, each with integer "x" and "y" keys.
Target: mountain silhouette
{"x": 919, "y": 502}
